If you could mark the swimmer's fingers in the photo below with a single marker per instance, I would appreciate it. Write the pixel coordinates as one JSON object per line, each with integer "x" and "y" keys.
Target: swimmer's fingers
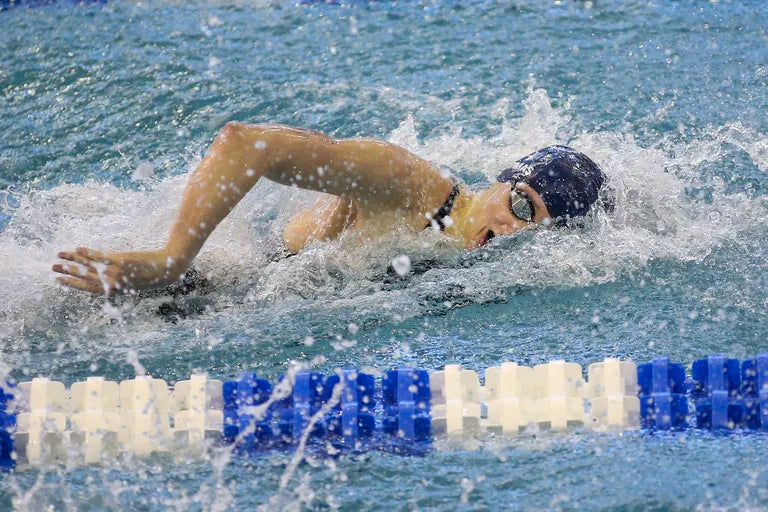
{"x": 93, "y": 255}
{"x": 85, "y": 256}
{"x": 75, "y": 270}
{"x": 97, "y": 287}
{"x": 102, "y": 284}
{"x": 88, "y": 269}
{"x": 107, "y": 281}
{"x": 73, "y": 256}
{"x": 122, "y": 272}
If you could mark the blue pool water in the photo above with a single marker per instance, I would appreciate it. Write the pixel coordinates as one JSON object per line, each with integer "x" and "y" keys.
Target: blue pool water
{"x": 669, "y": 97}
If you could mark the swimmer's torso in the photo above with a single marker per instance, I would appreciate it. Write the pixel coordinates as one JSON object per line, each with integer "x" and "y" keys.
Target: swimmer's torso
{"x": 331, "y": 215}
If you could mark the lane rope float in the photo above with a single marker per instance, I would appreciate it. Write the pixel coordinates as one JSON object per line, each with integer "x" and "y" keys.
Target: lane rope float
{"x": 402, "y": 410}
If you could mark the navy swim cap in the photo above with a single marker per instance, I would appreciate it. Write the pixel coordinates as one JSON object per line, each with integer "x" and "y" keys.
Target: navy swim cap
{"x": 567, "y": 181}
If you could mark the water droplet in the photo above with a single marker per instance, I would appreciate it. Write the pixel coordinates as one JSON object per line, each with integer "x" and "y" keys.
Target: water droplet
{"x": 144, "y": 171}
{"x": 401, "y": 264}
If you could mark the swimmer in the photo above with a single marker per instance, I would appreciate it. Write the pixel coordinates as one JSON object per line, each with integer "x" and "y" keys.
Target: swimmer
{"x": 369, "y": 184}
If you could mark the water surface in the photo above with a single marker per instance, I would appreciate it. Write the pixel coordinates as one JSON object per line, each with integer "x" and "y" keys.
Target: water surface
{"x": 668, "y": 97}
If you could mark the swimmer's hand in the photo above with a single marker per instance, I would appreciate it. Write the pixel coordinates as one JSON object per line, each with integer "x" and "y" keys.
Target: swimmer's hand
{"x": 116, "y": 273}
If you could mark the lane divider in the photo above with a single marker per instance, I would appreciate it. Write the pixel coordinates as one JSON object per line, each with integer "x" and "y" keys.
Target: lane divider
{"x": 403, "y": 410}
{"x": 663, "y": 399}
{"x": 613, "y": 394}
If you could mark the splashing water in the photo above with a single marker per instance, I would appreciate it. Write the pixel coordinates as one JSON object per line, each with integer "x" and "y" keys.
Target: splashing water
{"x": 662, "y": 212}
{"x": 672, "y": 112}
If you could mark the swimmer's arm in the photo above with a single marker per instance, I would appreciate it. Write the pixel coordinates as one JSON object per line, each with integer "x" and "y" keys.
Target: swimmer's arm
{"x": 324, "y": 220}
{"x": 374, "y": 174}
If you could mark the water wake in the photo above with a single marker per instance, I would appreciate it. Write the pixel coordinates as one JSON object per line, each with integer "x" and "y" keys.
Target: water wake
{"x": 676, "y": 201}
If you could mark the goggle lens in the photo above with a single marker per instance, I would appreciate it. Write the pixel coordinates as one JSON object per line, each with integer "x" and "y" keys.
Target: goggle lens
{"x": 520, "y": 205}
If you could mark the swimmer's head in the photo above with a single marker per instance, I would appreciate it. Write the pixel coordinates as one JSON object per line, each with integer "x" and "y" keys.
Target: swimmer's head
{"x": 568, "y": 182}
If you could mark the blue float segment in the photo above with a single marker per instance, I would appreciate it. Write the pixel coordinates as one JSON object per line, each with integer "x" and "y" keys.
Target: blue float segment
{"x": 754, "y": 390}
{"x": 7, "y": 422}
{"x": 7, "y": 462}
{"x": 7, "y": 394}
{"x": 663, "y": 404}
{"x": 309, "y": 394}
{"x": 716, "y": 373}
{"x": 716, "y": 388}
{"x": 244, "y": 422}
{"x": 7, "y": 416}
{"x": 353, "y": 418}
{"x": 7, "y": 426}
{"x": 406, "y": 395}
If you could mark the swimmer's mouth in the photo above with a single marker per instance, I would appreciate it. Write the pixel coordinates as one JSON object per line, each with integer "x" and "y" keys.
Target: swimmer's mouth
{"x": 488, "y": 236}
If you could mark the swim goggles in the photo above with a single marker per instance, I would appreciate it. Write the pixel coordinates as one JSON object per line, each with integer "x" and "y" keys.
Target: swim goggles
{"x": 520, "y": 205}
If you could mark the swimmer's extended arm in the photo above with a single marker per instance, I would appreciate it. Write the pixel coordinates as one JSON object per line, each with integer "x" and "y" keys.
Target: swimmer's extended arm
{"x": 374, "y": 174}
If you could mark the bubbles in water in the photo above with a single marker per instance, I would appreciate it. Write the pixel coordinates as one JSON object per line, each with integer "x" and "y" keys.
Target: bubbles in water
{"x": 401, "y": 264}
{"x": 654, "y": 218}
{"x": 214, "y": 21}
{"x": 132, "y": 358}
{"x": 144, "y": 171}
{"x": 467, "y": 486}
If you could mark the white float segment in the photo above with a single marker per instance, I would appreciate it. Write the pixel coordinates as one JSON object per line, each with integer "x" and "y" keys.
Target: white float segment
{"x": 558, "y": 388}
{"x": 455, "y": 400}
{"x": 612, "y": 390}
{"x": 145, "y": 415}
{"x": 95, "y": 422}
{"x": 200, "y": 404}
{"x": 40, "y": 434}
{"x": 509, "y": 394}
{"x": 95, "y": 394}
{"x": 44, "y": 395}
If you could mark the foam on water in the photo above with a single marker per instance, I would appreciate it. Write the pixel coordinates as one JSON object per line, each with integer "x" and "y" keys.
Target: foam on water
{"x": 665, "y": 209}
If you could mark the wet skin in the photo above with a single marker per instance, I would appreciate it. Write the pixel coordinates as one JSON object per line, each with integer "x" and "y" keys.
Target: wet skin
{"x": 369, "y": 185}
{"x": 487, "y": 214}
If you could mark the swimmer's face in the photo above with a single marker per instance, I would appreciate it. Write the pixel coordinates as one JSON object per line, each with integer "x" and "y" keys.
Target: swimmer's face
{"x": 491, "y": 214}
